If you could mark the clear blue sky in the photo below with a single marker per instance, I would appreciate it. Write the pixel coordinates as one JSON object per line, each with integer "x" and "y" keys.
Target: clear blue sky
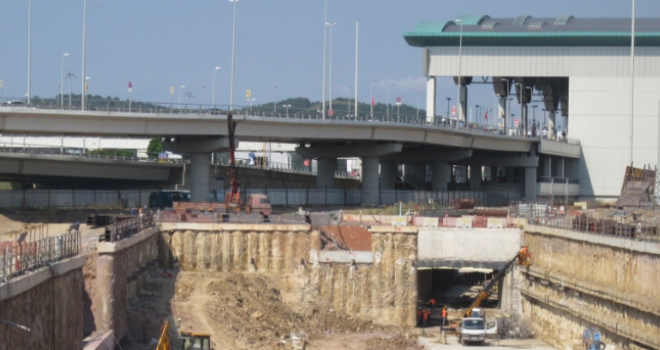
{"x": 158, "y": 44}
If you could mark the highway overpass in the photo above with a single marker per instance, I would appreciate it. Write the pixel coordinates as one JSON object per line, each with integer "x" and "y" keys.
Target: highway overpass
{"x": 382, "y": 144}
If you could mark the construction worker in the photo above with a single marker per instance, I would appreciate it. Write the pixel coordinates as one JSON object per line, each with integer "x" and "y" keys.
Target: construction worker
{"x": 426, "y": 314}
{"x": 419, "y": 316}
{"x": 444, "y": 315}
{"x": 431, "y": 303}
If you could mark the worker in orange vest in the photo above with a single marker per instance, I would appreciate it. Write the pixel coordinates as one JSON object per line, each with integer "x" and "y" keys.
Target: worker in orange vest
{"x": 426, "y": 314}
{"x": 432, "y": 302}
{"x": 444, "y": 315}
{"x": 419, "y": 316}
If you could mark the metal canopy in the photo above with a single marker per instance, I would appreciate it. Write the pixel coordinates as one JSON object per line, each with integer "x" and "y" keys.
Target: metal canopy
{"x": 528, "y": 31}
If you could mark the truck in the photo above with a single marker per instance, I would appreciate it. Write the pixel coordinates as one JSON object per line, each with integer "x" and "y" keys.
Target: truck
{"x": 473, "y": 330}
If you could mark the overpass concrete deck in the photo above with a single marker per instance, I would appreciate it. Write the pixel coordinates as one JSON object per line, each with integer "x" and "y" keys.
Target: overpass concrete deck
{"x": 257, "y": 128}
{"x": 318, "y": 138}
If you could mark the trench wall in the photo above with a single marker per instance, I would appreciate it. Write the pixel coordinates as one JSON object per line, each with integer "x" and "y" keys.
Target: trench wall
{"x": 581, "y": 280}
{"x": 52, "y": 307}
{"x": 121, "y": 267}
{"x": 384, "y": 291}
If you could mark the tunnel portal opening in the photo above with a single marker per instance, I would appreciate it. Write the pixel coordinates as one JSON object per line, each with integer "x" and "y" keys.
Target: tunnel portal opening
{"x": 454, "y": 289}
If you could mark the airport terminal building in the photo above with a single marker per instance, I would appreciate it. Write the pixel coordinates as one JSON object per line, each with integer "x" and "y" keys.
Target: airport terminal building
{"x": 580, "y": 68}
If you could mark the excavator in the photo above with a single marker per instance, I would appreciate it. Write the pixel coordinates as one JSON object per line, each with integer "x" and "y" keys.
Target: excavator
{"x": 187, "y": 340}
{"x": 524, "y": 258}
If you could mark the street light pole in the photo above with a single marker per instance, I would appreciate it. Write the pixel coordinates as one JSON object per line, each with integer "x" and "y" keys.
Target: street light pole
{"x": 330, "y": 73}
{"x": 350, "y": 88}
{"x": 388, "y": 99}
{"x": 325, "y": 55}
{"x": 274, "y": 101}
{"x": 372, "y": 97}
{"x": 62, "y": 81}
{"x": 448, "y": 100}
{"x": 418, "y": 93}
{"x": 84, "y": 54}
{"x": 233, "y": 58}
{"x": 29, "y": 88}
{"x": 215, "y": 70}
{"x": 179, "y": 101}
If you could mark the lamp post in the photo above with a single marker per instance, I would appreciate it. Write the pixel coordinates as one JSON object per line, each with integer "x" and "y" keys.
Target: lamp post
{"x": 350, "y": 88}
{"x": 70, "y": 76}
{"x": 388, "y": 99}
{"x": 508, "y": 100}
{"x": 233, "y": 57}
{"x": 325, "y": 55}
{"x": 274, "y": 100}
{"x": 448, "y": 101}
{"x": 84, "y": 54}
{"x": 372, "y": 97}
{"x": 476, "y": 110}
{"x": 179, "y": 101}
{"x": 213, "y": 98}
{"x": 632, "y": 79}
{"x": 330, "y": 72}
{"x": 62, "y": 81}
{"x": 418, "y": 93}
{"x": 29, "y": 82}
{"x": 460, "y": 53}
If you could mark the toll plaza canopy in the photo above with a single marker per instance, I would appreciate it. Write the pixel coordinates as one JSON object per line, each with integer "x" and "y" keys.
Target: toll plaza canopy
{"x": 528, "y": 31}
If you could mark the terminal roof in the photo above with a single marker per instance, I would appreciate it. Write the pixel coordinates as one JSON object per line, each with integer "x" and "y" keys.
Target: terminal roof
{"x": 529, "y": 31}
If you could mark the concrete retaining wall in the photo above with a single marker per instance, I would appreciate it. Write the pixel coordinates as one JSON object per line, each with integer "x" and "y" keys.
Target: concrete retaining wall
{"x": 52, "y": 307}
{"x": 121, "y": 266}
{"x": 384, "y": 291}
{"x": 460, "y": 247}
{"x": 582, "y": 280}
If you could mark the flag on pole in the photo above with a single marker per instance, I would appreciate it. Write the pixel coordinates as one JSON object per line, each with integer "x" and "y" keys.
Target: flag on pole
{"x": 373, "y": 102}
{"x": 486, "y": 116}
{"x": 130, "y": 86}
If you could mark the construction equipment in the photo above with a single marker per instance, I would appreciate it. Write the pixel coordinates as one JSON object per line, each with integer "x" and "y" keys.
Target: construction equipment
{"x": 259, "y": 203}
{"x": 164, "y": 340}
{"x": 591, "y": 339}
{"x": 523, "y": 257}
{"x": 195, "y": 341}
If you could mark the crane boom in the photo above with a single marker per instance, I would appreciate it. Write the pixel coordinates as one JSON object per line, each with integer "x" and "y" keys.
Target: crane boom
{"x": 233, "y": 197}
{"x": 523, "y": 257}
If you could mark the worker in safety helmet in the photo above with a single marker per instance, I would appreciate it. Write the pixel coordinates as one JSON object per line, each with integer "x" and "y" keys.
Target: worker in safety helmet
{"x": 426, "y": 314}
{"x": 444, "y": 315}
{"x": 419, "y": 316}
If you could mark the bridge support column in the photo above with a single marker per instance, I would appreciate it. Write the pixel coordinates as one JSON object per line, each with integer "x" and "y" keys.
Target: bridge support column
{"x": 502, "y": 112}
{"x": 509, "y": 174}
{"x": 387, "y": 175}
{"x": 370, "y": 195}
{"x": 200, "y": 167}
{"x": 475, "y": 177}
{"x": 440, "y": 176}
{"x": 430, "y": 99}
{"x": 530, "y": 183}
{"x": 462, "y": 105}
{"x": 493, "y": 174}
{"x": 325, "y": 176}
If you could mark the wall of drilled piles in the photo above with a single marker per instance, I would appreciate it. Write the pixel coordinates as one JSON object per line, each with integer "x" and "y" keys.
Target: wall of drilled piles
{"x": 580, "y": 280}
{"x": 384, "y": 292}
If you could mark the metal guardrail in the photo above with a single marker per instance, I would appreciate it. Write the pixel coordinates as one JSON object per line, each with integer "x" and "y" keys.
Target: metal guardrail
{"x": 23, "y": 256}
{"x": 127, "y": 228}
{"x": 242, "y": 163}
{"x": 558, "y": 180}
{"x": 209, "y": 110}
{"x": 616, "y": 226}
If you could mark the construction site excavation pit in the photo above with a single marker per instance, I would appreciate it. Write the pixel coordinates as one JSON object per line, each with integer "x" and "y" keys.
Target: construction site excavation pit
{"x": 253, "y": 286}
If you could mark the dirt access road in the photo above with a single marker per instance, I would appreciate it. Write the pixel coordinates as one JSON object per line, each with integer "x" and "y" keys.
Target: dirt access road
{"x": 506, "y": 344}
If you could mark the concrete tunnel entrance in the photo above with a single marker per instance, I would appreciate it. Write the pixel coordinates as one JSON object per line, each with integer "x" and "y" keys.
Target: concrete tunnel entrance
{"x": 454, "y": 288}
